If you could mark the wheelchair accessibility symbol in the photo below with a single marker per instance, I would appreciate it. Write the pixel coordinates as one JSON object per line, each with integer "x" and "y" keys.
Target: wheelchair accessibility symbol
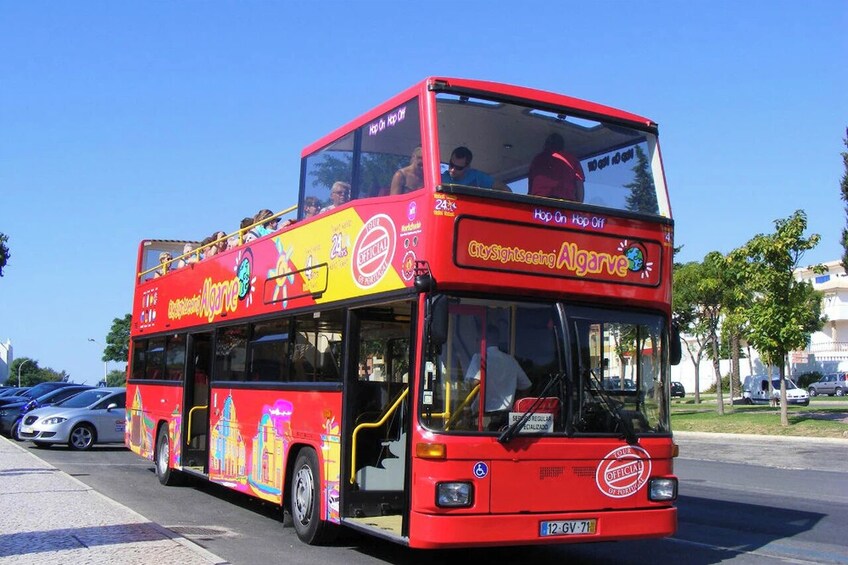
{"x": 481, "y": 470}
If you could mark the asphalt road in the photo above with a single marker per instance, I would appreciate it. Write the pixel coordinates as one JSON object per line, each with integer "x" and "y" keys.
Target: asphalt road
{"x": 742, "y": 500}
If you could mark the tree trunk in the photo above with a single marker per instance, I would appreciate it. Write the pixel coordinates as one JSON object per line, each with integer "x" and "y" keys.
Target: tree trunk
{"x": 750, "y": 362}
{"x": 784, "y": 413}
{"x": 734, "y": 364}
{"x": 717, "y": 369}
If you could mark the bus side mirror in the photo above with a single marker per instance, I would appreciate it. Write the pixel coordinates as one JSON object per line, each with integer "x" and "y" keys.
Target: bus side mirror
{"x": 438, "y": 320}
{"x": 675, "y": 348}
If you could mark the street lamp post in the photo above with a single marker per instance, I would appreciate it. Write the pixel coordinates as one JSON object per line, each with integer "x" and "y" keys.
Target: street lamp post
{"x": 105, "y": 363}
{"x": 24, "y": 362}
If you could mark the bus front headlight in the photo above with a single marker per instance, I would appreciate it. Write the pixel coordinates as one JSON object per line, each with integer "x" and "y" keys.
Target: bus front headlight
{"x": 454, "y": 495}
{"x": 662, "y": 489}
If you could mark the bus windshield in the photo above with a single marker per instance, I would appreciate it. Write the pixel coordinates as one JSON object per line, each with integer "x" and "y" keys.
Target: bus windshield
{"x": 552, "y": 154}
{"x": 579, "y": 370}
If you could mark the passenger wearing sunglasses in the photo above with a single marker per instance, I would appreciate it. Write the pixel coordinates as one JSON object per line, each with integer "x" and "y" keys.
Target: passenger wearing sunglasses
{"x": 460, "y": 172}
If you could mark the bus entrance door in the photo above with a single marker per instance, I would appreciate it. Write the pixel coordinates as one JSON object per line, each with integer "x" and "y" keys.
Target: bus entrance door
{"x": 195, "y": 448}
{"x": 377, "y": 405}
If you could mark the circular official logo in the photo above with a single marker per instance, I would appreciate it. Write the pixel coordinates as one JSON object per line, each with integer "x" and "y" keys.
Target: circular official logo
{"x": 373, "y": 251}
{"x": 623, "y": 471}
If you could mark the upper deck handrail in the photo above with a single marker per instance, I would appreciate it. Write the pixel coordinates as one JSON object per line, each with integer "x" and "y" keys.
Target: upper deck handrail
{"x": 241, "y": 233}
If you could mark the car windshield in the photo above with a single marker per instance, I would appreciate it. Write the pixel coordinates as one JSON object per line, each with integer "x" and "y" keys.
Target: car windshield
{"x": 776, "y": 384}
{"x": 84, "y": 399}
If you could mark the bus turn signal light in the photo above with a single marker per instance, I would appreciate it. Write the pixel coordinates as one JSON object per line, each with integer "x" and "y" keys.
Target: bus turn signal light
{"x": 431, "y": 450}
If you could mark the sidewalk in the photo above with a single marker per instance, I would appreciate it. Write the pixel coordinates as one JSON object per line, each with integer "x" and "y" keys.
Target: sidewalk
{"x": 49, "y": 517}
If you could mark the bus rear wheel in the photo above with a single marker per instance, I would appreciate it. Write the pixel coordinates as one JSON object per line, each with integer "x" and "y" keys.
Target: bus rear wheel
{"x": 162, "y": 461}
{"x": 305, "y": 500}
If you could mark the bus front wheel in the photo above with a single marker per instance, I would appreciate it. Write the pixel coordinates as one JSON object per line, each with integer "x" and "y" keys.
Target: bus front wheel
{"x": 305, "y": 500}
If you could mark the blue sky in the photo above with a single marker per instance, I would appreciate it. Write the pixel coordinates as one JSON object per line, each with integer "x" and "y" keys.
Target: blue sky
{"x": 122, "y": 121}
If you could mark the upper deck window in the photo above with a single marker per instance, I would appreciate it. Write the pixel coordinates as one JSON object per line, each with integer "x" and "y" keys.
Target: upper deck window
{"x": 551, "y": 154}
{"x": 379, "y": 158}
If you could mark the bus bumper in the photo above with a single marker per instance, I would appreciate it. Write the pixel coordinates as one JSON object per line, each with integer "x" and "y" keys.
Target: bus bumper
{"x": 430, "y": 531}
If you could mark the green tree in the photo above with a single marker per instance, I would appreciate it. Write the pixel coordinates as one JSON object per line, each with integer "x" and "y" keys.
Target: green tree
{"x": 31, "y": 373}
{"x": 687, "y": 312}
{"x": 844, "y": 186}
{"x": 784, "y": 311}
{"x": 4, "y": 251}
{"x": 116, "y": 378}
{"x": 118, "y": 340}
{"x": 643, "y": 193}
{"x": 737, "y": 299}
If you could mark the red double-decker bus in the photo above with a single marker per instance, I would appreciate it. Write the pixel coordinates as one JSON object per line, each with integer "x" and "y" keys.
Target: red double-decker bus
{"x": 463, "y": 340}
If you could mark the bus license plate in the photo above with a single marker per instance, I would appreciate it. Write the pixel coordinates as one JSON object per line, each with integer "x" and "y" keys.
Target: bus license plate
{"x": 568, "y": 527}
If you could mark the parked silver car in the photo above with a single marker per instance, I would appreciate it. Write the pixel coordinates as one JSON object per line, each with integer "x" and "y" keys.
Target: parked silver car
{"x": 830, "y": 384}
{"x": 94, "y": 416}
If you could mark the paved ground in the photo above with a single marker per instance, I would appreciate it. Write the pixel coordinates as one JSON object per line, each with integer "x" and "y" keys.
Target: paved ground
{"x": 49, "y": 517}
{"x": 817, "y": 454}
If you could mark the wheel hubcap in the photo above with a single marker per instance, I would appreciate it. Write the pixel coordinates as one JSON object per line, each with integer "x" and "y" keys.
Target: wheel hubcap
{"x": 303, "y": 489}
{"x": 164, "y": 456}
{"x": 81, "y": 437}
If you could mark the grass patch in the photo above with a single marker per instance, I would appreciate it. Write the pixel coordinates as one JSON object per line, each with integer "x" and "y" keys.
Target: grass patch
{"x": 809, "y": 421}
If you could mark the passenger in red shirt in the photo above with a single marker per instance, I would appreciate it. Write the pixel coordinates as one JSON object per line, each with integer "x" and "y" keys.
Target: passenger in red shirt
{"x": 555, "y": 173}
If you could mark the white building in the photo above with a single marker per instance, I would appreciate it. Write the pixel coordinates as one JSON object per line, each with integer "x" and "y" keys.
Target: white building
{"x": 6, "y": 358}
{"x": 827, "y": 348}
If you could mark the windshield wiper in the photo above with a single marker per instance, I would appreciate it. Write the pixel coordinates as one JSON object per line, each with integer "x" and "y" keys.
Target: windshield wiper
{"x": 509, "y": 433}
{"x": 625, "y": 425}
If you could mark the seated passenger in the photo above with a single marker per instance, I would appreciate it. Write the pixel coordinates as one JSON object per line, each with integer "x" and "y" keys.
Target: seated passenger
{"x": 218, "y": 241}
{"x": 460, "y": 172}
{"x": 164, "y": 264}
{"x": 188, "y": 257}
{"x": 339, "y": 194}
{"x": 555, "y": 173}
{"x": 268, "y": 226}
{"x": 241, "y": 236}
{"x": 311, "y": 206}
{"x": 410, "y": 177}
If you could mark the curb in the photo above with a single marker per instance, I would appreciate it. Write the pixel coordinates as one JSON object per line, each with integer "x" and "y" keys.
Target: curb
{"x": 173, "y": 536}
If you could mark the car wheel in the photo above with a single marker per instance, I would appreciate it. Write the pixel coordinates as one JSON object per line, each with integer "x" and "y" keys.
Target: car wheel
{"x": 41, "y": 444}
{"x": 13, "y": 433}
{"x": 166, "y": 475}
{"x": 82, "y": 437}
{"x": 812, "y": 391}
{"x": 305, "y": 500}
{"x": 840, "y": 392}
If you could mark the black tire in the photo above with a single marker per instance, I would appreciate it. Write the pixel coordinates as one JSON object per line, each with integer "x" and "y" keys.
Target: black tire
{"x": 41, "y": 444}
{"x": 13, "y": 432}
{"x": 82, "y": 437}
{"x": 840, "y": 392}
{"x": 306, "y": 502}
{"x": 812, "y": 392}
{"x": 162, "y": 459}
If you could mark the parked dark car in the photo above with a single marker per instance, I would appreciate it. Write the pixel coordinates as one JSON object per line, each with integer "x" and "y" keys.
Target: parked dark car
{"x": 830, "y": 384}
{"x": 33, "y": 391}
{"x": 677, "y": 390}
{"x": 11, "y": 414}
{"x": 13, "y": 391}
